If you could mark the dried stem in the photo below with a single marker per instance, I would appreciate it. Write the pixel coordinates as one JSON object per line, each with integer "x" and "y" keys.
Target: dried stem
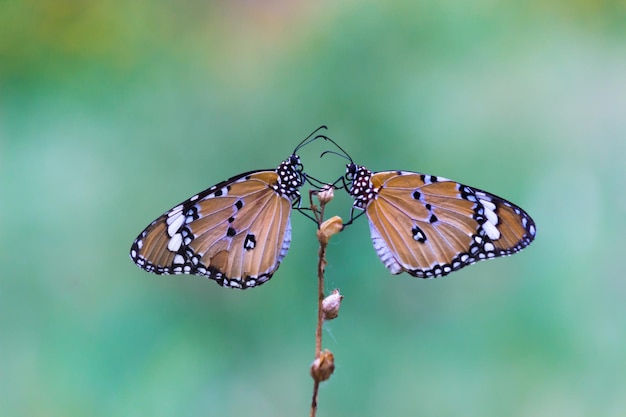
{"x": 321, "y": 265}
{"x": 319, "y": 216}
{"x": 323, "y": 365}
{"x": 316, "y": 386}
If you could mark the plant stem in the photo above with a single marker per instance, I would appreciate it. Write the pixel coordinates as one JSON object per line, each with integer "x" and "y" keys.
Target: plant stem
{"x": 321, "y": 264}
{"x": 327, "y": 308}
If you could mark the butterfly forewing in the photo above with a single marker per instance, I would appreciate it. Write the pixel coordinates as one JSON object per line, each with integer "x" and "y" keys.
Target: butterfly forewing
{"x": 236, "y": 232}
{"x": 430, "y": 226}
{"x": 259, "y": 231}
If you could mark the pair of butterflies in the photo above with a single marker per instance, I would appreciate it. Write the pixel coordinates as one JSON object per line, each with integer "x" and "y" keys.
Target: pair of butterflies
{"x": 238, "y": 231}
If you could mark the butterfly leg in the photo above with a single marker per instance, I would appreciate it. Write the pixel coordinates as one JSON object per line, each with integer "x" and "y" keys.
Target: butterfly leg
{"x": 353, "y": 217}
{"x": 297, "y": 205}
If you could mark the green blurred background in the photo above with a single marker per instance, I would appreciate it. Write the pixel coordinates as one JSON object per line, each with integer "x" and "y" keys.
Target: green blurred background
{"x": 111, "y": 112}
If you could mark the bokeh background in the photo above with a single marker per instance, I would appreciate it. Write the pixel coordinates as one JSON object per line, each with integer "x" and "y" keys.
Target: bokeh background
{"x": 111, "y": 112}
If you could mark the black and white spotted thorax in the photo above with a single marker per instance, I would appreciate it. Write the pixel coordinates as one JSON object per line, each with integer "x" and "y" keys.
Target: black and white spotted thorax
{"x": 291, "y": 178}
{"x": 361, "y": 187}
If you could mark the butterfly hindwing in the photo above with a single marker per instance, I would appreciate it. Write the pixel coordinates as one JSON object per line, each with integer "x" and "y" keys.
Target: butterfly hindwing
{"x": 430, "y": 226}
{"x": 236, "y": 232}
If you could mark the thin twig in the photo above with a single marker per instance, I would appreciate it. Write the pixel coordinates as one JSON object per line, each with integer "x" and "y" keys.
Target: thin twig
{"x": 319, "y": 216}
{"x": 320, "y": 317}
{"x": 321, "y": 265}
{"x": 323, "y": 365}
{"x": 316, "y": 386}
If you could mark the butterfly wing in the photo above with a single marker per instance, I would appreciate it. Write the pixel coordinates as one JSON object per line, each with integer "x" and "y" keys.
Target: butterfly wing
{"x": 236, "y": 232}
{"x": 430, "y": 226}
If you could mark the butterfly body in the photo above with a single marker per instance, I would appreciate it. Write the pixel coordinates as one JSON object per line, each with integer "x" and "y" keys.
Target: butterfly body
{"x": 236, "y": 232}
{"x": 430, "y": 226}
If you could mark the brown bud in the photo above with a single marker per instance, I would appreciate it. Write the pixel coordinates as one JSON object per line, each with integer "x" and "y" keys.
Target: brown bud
{"x": 331, "y": 304}
{"x": 322, "y": 368}
{"x": 325, "y": 194}
{"x": 330, "y": 227}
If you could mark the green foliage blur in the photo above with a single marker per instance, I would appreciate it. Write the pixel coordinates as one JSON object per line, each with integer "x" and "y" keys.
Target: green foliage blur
{"x": 112, "y": 112}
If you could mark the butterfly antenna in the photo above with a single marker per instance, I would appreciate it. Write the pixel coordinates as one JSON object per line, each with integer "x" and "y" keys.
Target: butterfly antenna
{"x": 353, "y": 217}
{"x": 344, "y": 154}
{"x": 335, "y": 153}
{"x": 310, "y": 138}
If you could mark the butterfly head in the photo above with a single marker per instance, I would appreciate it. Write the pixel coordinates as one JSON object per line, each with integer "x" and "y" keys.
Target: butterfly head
{"x": 361, "y": 187}
{"x": 291, "y": 176}
{"x": 357, "y": 180}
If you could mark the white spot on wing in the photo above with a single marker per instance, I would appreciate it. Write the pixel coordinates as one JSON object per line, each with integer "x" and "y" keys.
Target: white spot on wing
{"x": 174, "y": 224}
{"x": 491, "y": 230}
{"x": 174, "y": 243}
{"x": 488, "y": 205}
{"x": 492, "y": 217}
{"x": 175, "y": 211}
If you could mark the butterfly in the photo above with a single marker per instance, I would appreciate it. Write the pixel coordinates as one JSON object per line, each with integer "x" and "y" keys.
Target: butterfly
{"x": 236, "y": 232}
{"x": 430, "y": 226}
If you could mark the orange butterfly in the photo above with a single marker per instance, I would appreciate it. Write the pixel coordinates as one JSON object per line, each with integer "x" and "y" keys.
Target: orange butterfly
{"x": 430, "y": 226}
{"x": 236, "y": 232}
